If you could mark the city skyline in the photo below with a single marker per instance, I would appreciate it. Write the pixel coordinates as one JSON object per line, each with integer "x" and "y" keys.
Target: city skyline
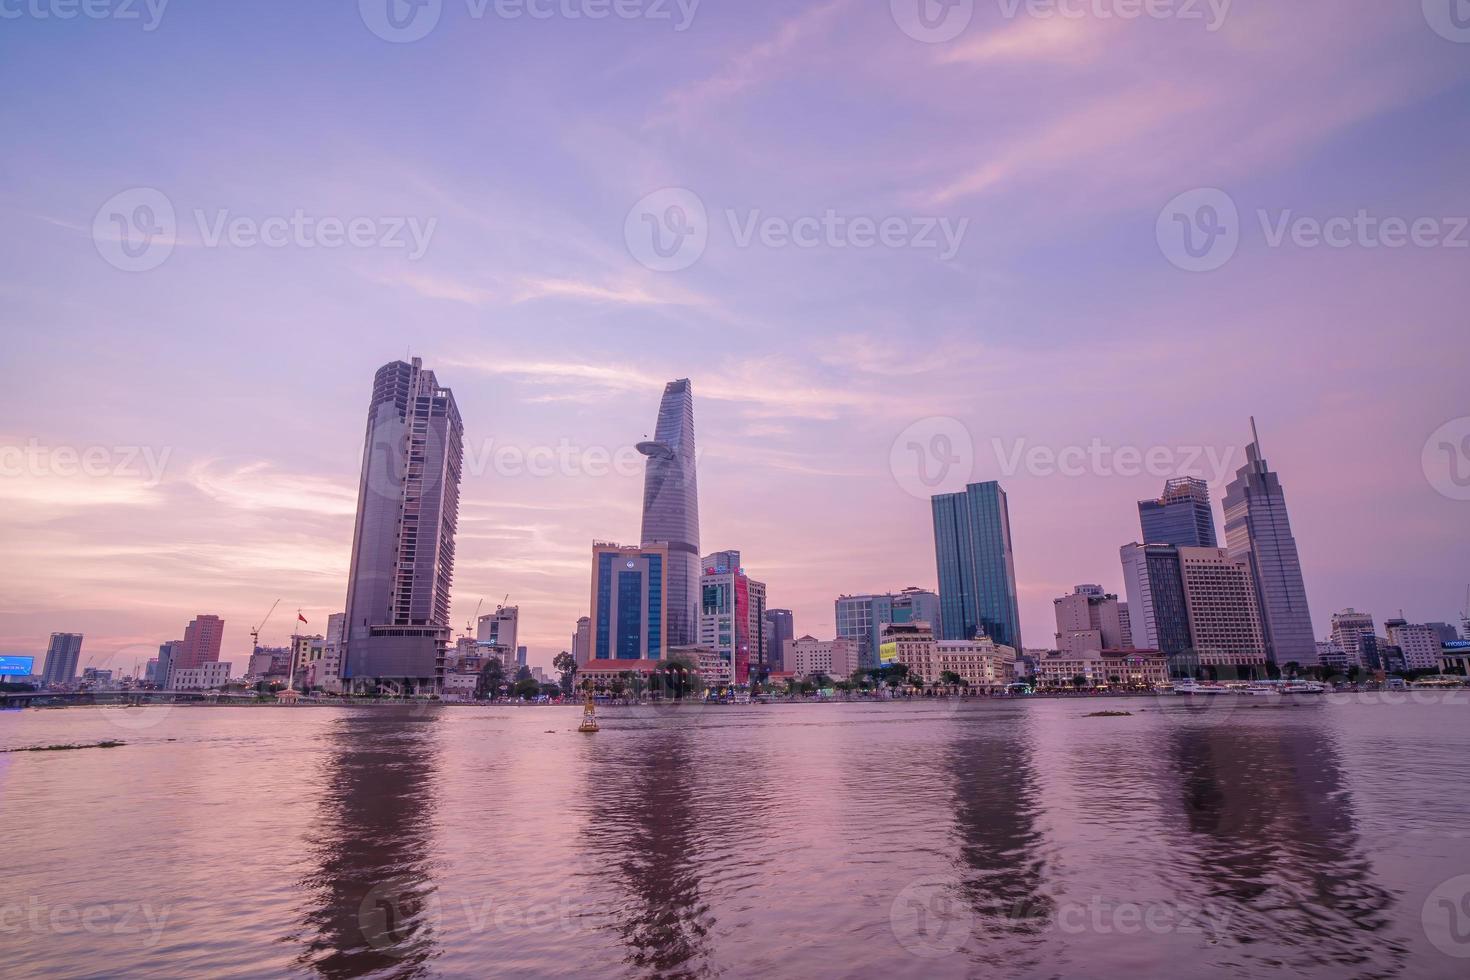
{"x": 1057, "y": 322}
{"x": 1034, "y": 426}
{"x": 811, "y": 613}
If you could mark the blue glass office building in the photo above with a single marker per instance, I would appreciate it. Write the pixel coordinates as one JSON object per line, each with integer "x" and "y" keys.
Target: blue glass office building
{"x": 977, "y": 570}
{"x": 1181, "y": 516}
{"x": 629, "y": 602}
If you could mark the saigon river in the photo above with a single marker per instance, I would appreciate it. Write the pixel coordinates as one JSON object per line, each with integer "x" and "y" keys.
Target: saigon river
{"x": 995, "y": 839}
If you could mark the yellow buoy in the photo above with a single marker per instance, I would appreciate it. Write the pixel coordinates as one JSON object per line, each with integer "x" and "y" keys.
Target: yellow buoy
{"x": 589, "y": 716}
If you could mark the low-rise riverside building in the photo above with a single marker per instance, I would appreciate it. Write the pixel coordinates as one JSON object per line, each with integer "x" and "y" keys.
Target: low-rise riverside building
{"x": 981, "y": 663}
{"x": 459, "y": 687}
{"x": 1130, "y": 669}
{"x": 208, "y": 676}
{"x": 837, "y": 659}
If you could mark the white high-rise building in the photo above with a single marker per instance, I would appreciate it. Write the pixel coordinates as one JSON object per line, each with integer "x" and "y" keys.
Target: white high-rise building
{"x": 500, "y": 627}
{"x": 1348, "y": 629}
{"x": 1420, "y": 643}
{"x": 1224, "y": 619}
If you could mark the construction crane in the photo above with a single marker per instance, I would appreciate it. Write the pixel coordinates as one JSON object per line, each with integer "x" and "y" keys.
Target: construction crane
{"x": 470, "y": 626}
{"x": 255, "y": 633}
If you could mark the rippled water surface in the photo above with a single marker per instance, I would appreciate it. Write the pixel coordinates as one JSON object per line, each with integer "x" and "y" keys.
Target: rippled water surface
{"x": 893, "y": 840}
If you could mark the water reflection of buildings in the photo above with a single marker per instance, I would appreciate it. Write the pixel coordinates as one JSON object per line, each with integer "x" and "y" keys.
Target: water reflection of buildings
{"x": 373, "y": 909}
{"x": 646, "y": 838}
{"x": 997, "y": 808}
{"x": 1271, "y": 851}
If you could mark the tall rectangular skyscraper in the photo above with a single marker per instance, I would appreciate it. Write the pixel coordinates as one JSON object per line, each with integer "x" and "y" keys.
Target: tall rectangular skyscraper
{"x": 582, "y": 641}
{"x": 732, "y": 617}
{"x": 1258, "y": 532}
{"x": 202, "y": 640}
{"x": 397, "y": 626}
{"x": 977, "y": 569}
{"x": 1158, "y": 615}
{"x": 1224, "y": 625}
{"x": 781, "y": 630}
{"x": 671, "y": 507}
{"x": 62, "y": 654}
{"x": 1181, "y": 516}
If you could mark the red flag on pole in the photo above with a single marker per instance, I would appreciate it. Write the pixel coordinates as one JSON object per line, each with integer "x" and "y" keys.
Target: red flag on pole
{"x": 300, "y": 617}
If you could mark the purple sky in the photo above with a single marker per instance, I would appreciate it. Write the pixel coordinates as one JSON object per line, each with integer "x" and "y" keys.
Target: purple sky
{"x": 1061, "y": 320}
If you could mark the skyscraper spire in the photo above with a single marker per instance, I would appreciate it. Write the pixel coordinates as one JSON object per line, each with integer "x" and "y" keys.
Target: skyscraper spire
{"x": 1258, "y": 531}
{"x": 671, "y": 506}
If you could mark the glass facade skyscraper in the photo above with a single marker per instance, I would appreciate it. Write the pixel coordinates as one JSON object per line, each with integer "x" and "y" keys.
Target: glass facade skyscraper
{"x": 1181, "y": 516}
{"x": 397, "y": 614}
{"x": 781, "y": 630}
{"x": 1157, "y": 612}
{"x": 1258, "y": 532}
{"x": 977, "y": 570}
{"x": 671, "y": 507}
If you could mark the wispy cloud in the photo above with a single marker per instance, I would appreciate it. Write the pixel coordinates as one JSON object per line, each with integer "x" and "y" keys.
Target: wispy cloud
{"x": 259, "y": 485}
{"x": 752, "y": 66}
